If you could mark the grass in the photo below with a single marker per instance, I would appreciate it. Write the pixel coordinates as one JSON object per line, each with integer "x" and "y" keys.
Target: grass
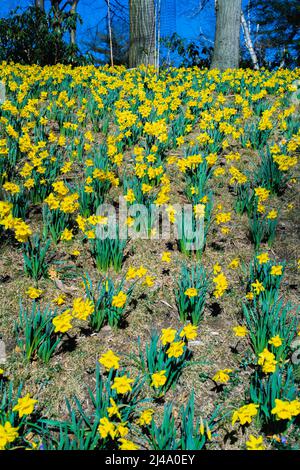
{"x": 150, "y": 309}
{"x": 66, "y": 373}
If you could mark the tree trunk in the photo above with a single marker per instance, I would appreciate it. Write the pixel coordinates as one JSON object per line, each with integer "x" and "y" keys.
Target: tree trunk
{"x": 142, "y": 33}
{"x": 57, "y": 19}
{"x": 248, "y": 42}
{"x": 56, "y": 24}
{"x": 111, "y": 52}
{"x": 40, "y": 4}
{"x": 73, "y": 30}
{"x": 227, "y": 35}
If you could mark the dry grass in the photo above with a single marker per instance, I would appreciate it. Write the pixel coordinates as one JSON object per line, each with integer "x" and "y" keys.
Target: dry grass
{"x": 150, "y": 309}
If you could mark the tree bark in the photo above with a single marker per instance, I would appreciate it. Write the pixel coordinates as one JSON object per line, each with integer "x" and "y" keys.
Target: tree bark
{"x": 142, "y": 33}
{"x": 227, "y": 35}
{"x": 248, "y": 42}
{"x": 110, "y": 34}
{"x": 73, "y": 30}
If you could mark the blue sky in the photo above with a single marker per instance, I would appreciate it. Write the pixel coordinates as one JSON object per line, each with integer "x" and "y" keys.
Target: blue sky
{"x": 182, "y": 19}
